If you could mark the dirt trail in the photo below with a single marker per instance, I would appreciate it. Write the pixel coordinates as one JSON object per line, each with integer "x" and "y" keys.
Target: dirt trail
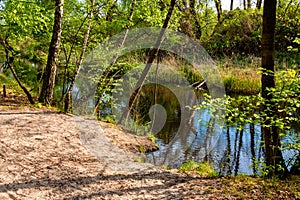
{"x": 42, "y": 157}
{"x": 48, "y": 155}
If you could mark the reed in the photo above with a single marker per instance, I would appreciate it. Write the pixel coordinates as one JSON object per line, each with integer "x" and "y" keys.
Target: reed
{"x": 241, "y": 80}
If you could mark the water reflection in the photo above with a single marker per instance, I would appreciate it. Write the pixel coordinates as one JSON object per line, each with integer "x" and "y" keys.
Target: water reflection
{"x": 192, "y": 134}
{"x": 230, "y": 150}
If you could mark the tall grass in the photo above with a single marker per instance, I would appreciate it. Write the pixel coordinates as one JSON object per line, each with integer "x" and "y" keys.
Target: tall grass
{"x": 240, "y": 74}
{"x": 242, "y": 81}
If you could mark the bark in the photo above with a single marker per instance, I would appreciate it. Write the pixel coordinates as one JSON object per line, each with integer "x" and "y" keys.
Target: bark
{"x": 68, "y": 99}
{"x": 4, "y": 90}
{"x": 152, "y": 56}
{"x": 50, "y": 71}
{"x": 273, "y": 154}
{"x": 198, "y": 31}
{"x": 9, "y": 62}
{"x": 258, "y": 4}
{"x": 248, "y": 3}
{"x": 231, "y": 5}
{"x": 219, "y": 8}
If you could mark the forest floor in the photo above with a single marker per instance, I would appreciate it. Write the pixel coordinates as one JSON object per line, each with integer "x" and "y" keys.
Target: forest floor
{"x": 45, "y": 154}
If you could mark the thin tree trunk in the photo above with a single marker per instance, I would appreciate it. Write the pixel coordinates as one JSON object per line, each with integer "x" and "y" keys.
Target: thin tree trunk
{"x": 68, "y": 58}
{"x": 50, "y": 71}
{"x": 252, "y": 147}
{"x": 231, "y": 5}
{"x": 4, "y": 90}
{"x": 9, "y": 62}
{"x": 273, "y": 154}
{"x": 68, "y": 99}
{"x": 198, "y": 31}
{"x": 248, "y": 3}
{"x": 235, "y": 146}
{"x": 258, "y": 4}
{"x": 152, "y": 56}
{"x": 116, "y": 56}
{"x": 219, "y": 9}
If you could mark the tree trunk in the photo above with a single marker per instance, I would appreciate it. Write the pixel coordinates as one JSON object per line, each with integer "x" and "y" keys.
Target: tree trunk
{"x": 231, "y": 5}
{"x": 115, "y": 57}
{"x": 228, "y": 161}
{"x": 50, "y": 71}
{"x": 248, "y": 3}
{"x": 198, "y": 31}
{"x": 258, "y": 4}
{"x": 273, "y": 154}
{"x": 152, "y": 56}
{"x": 4, "y": 90}
{"x": 68, "y": 99}
{"x": 219, "y": 9}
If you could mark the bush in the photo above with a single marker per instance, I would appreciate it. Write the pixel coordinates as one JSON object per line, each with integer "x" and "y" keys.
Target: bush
{"x": 239, "y": 32}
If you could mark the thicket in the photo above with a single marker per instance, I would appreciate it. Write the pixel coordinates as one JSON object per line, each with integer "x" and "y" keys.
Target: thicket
{"x": 239, "y": 32}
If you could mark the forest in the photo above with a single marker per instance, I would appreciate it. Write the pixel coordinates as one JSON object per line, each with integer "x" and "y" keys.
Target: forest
{"x": 215, "y": 84}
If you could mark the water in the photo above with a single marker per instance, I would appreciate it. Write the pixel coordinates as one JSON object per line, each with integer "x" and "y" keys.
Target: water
{"x": 185, "y": 134}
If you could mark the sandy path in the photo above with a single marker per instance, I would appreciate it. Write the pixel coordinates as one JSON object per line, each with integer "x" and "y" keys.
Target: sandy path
{"x": 42, "y": 157}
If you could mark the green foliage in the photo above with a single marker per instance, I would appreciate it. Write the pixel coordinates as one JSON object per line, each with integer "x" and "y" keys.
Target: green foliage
{"x": 11, "y": 85}
{"x": 238, "y": 33}
{"x": 204, "y": 168}
{"x": 287, "y": 26}
{"x": 150, "y": 13}
{"x": 26, "y": 27}
{"x": 241, "y": 110}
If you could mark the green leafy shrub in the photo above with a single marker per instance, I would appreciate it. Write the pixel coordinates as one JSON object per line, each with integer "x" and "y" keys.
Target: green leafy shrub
{"x": 239, "y": 32}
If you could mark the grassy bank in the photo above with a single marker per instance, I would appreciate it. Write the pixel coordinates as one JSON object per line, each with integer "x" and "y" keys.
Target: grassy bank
{"x": 241, "y": 80}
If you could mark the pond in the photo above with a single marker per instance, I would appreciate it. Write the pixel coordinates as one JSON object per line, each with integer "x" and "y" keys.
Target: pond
{"x": 194, "y": 135}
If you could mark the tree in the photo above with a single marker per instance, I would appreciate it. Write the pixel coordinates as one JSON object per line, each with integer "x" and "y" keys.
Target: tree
{"x": 258, "y": 4}
{"x": 152, "y": 56}
{"x": 84, "y": 44}
{"x": 219, "y": 8}
{"x": 248, "y": 3}
{"x": 9, "y": 63}
{"x": 273, "y": 154}
{"x": 23, "y": 35}
{"x": 50, "y": 71}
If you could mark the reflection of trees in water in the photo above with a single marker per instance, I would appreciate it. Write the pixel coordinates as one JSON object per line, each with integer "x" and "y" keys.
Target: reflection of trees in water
{"x": 150, "y": 95}
{"x": 181, "y": 139}
{"x": 236, "y": 151}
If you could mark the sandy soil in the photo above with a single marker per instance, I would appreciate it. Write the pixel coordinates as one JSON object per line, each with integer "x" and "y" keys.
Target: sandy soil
{"x": 45, "y": 154}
